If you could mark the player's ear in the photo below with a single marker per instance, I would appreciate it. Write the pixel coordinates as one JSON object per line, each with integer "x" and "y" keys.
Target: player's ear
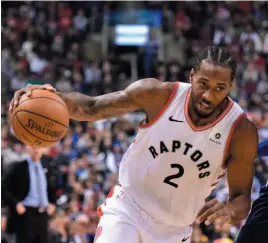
{"x": 192, "y": 75}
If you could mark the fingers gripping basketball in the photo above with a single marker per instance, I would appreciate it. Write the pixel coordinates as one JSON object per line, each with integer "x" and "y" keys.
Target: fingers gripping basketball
{"x": 41, "y": 119}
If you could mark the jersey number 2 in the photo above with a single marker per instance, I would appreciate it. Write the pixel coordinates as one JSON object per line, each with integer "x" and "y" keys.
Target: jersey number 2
{"x": 178, "y": 175}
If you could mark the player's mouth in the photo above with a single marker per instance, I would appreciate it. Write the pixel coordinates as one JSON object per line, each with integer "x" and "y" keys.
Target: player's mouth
{"x": 205, "y": 105}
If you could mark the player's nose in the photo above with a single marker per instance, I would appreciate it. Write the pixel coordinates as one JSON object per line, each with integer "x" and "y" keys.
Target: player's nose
{"x": 207, "y": 97}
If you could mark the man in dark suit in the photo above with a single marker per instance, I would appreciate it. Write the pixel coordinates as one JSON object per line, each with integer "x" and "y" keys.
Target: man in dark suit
{"x": 27, "y": 192}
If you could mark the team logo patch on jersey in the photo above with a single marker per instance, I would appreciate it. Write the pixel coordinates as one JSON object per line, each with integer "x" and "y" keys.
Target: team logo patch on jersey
{"x": 98, "y": 233}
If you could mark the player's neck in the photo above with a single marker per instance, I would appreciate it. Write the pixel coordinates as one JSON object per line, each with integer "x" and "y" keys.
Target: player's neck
{"x": 202, "y": 121}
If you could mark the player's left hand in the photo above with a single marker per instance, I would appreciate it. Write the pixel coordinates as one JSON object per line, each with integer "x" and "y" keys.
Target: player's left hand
{"x": 213, "y": 210}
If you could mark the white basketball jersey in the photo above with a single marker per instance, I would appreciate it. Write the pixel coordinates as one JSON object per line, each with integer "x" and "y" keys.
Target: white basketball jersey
{"x": 172, "y": 166}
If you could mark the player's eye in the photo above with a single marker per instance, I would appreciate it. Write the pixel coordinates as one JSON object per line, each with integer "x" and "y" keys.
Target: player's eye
{"x": 203, "y": 84}
{"x": 220, "y": 88}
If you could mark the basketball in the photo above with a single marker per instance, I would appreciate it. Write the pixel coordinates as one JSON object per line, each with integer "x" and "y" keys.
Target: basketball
{"x": 41, "y": 119}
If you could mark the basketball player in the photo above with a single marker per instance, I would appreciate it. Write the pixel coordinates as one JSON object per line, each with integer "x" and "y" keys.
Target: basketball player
{"x": 193, "y": 134}
{"x": 256, "y": 226}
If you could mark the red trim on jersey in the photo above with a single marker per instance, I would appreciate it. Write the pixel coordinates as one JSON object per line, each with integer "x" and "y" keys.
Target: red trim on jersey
{"x": 111, "y": 193}
{"x": 214, "y": 184}
{"x": 175, "y": 88}
{"x": 231, "y": 135}
{"x": 98, "y": 233}
{"x": 219, "y": 177}
{"x": 99, "y": 211}
{"x": 209, "y": 125}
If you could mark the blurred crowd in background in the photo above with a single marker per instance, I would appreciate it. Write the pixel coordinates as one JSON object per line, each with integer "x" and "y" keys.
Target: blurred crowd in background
{"x": 49, "y": 42}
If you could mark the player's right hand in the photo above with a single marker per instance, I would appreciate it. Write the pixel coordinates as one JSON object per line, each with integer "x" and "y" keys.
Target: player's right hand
{"x": 28, "y": 90}
{"x": 20, "y": 208}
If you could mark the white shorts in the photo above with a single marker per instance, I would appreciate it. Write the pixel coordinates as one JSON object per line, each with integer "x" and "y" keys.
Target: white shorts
{"x": 123, "y": 221}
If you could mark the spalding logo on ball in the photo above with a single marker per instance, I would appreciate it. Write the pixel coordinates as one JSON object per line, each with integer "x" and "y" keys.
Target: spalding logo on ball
{"x": 32, "y": 125}
{"x": 41, "y": 119}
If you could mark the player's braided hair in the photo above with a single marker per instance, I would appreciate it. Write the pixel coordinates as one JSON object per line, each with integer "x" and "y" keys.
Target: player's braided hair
{"x": 216, "y": 55}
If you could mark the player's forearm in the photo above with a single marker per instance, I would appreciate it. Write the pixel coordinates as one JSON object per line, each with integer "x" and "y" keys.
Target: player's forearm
{"x": 79, "y": 105}
{"x": 85, "y": 108}
{"x": 239, "y": 207}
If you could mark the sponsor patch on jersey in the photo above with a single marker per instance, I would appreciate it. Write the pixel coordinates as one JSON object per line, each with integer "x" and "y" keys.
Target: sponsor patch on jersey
{"x": 216, "y": 138}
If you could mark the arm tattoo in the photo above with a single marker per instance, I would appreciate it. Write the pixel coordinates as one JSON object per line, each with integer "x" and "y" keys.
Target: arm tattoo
{"x": 82, "y": 103}
{"x": 82, "y": 107}
{"x": 139, "y": 95}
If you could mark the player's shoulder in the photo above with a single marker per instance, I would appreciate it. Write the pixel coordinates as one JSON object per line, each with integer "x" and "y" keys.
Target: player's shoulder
{"x": 244, "y": 139}
{"x": 160, "y": 87}
{"x": 153, "y": 83}
{"x": 150, "y": 88}
{"x": 151, "y": 92}
{"x": 245, "y": 129}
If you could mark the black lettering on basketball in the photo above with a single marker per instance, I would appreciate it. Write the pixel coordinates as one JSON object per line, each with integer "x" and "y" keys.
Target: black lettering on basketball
{"x": 153, "y": 152}
{"x": 29, "y": 131}
{"x": 37, "y": 127}
{"x": 163, "y": 147}
{"x": 36, "y": 143}
{"x": 49, "y": 124}
{"x": 31, "y": 124}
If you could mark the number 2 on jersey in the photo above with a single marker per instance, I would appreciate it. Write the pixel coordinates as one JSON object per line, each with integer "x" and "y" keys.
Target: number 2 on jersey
{"x": 178, "y": 175}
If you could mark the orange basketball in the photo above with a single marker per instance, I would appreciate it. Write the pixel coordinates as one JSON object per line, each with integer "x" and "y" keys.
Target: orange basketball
{"x": 40, "y": 120}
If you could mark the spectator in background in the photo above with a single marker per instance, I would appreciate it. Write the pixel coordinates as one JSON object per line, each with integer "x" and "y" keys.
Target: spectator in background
{"x": 37, "y": 63}
{"x": 150, "y": 54}
{"x": 168, "y": 19}
{"x": 222, "y": 13}
{"x": 265, "y": 44}
{"x": 262, "y": 87}
{"x": 92, "y": 73}
{"x": 182, "y": 21}
{"x": 114, "y": 158}
{"x": 64, "y": 83}
{"x": 80, "y": 21}
{"x": 251, "y": 39}
{"x": 58, "y": 46}
{"x": 221, "y": 37}
{"x": 18, "y": 82}
{"x": 65, "y": 15}
{"x": 30, "y": 198}
{"x": 95, "y": 20}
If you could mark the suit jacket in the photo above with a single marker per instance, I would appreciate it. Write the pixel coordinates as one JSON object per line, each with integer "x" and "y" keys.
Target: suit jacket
{"x": 15, "y": 187}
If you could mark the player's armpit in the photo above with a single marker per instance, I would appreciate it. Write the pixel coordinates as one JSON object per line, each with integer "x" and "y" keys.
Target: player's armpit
{"x": 240, "y": 171}
{"x": 139, "y": 95}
